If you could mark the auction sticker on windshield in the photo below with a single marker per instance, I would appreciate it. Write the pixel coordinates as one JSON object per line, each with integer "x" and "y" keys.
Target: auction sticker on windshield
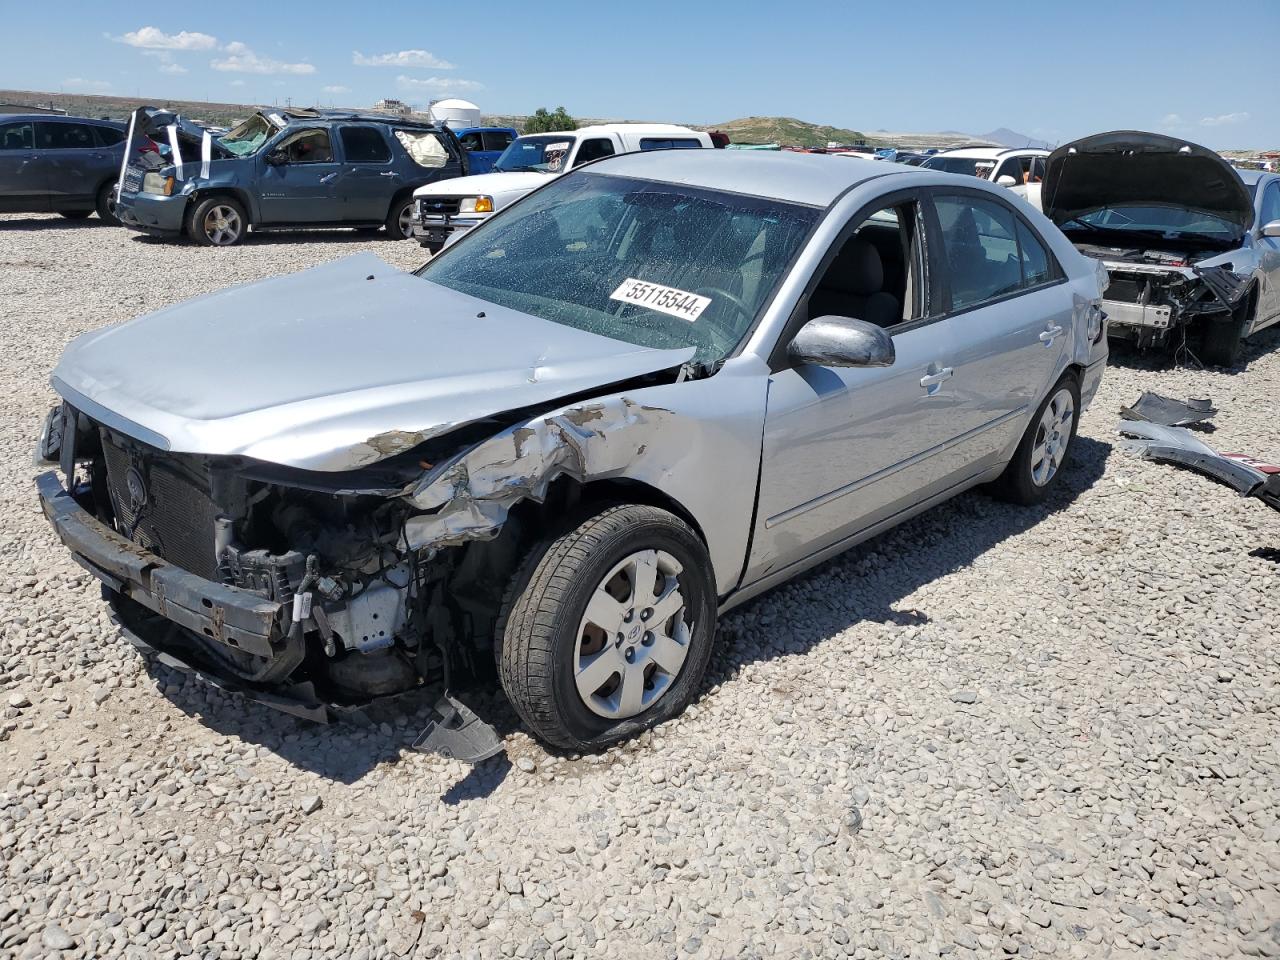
{"x": 668, "y": 300}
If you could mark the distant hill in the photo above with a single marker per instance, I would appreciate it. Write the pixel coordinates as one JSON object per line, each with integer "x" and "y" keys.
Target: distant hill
{"x": 1012, "y": 138}
{"x": 117, "y": 108}
{"x": 788, "y": 131}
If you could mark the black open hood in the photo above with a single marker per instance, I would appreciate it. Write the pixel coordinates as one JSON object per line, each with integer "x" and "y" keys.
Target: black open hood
{"x": 1127, "y": 167}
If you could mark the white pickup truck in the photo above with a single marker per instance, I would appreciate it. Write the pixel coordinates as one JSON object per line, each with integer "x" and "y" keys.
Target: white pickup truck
{"x": 446, "y": 210}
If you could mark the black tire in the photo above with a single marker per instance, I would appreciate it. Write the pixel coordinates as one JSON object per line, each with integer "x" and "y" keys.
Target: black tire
{"x": 537, "y": 632}
{"x": 106, "y": 205}
{"x": 75, "y": 214}
{"x": 217, "y": 221}
{"x": 1222, "y": 341}
{"x": 399, "y": 218}
{"x": 1020, "y": 482}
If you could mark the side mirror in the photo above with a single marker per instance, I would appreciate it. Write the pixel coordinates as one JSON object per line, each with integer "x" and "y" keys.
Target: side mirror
{"x": 842, "y": 342}
{"x": 1271, "y": 229}
{"x": 1005, "y": 180}
{"x": 276, "y": 159}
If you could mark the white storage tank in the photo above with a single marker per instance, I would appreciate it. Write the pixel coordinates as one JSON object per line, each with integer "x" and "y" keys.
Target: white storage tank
{"x": 455, "y": 113}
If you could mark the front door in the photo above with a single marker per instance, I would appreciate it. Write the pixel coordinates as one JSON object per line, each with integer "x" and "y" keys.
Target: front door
{"x": 368, "y": 180}
{"x": 299, "y": 180}
{"x": 23, "y": 184}
{"x": 1011, "y": 315}
{"x": 1269, "y": 255}
{"x": 845, "y": 448}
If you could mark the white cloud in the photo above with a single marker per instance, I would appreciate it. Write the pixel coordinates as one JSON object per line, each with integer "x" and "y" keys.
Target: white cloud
{"x": 435, "y": 84}
{"x": 240, "y": 59}
{"x": 172, "y": 68}
{"x": 79, "y": 83}
{"x": 150, "y": 38}
{"x": 1172, "y": 120}
{"x": 336, "y": 88}
{"x": 401, "y": 58}
{"x": 1225, "y": 119}
{"x": 237, "y": 83}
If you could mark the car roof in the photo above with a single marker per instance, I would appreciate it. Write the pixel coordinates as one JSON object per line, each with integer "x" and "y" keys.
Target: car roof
{"x": 1251, "y": 177}
{"x": 808, "y": 178}
{"x": 313, "y": 116}
{"x": 988, "y": 153}
{"x": 58, "y": 117}
{"x": 665, "y": 129}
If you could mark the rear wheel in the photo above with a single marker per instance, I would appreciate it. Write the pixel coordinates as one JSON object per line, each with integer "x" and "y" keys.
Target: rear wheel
{"x": 106, "y": 205}
{"x": 1223, "y": 340}
{"x": 400, "y": 219}
{"x": 606, "y": 629}
{"x": 217, "y": 222}
{"x": 75, "y": 214}
{"x": 1043, "y": 451}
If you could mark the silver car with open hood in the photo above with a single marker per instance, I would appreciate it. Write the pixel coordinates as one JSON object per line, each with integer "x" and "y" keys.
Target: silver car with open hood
{"x": 645, "y": 393}
{"x": 1192, "y": 246}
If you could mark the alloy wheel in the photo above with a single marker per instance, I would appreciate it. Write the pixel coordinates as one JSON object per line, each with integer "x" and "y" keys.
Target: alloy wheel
{"x": 1052, "y": 437}
{"x": 633, "y": 638}
{"x": 406, "y": 219}
{"x": 222, "y": 225}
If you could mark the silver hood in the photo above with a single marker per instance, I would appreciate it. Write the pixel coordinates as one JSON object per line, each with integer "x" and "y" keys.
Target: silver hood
{"x": 332, "y": 368}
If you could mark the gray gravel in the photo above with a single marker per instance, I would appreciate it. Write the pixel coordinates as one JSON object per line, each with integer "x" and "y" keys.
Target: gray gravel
{"x": 994, "y": 731}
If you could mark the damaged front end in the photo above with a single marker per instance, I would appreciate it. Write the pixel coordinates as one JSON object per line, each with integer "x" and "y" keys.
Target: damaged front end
{"x": 1152, "y": 297}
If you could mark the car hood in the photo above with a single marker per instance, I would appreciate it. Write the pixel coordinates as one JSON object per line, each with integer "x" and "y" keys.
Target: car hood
{"x": 332, "y": 368}
{"x": 1128, "y": 167}
{"x": 494, "y": 185}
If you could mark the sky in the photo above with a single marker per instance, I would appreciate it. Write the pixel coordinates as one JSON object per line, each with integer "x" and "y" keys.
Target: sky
{"x": 1050, "y": 71}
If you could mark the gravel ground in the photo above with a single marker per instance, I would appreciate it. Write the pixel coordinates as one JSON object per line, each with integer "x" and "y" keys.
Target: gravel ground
{"x": 993, "y": 731}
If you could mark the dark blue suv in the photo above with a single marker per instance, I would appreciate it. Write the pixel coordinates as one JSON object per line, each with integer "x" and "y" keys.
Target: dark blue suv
{"x": 283, "y": 170}
{"x": 66, "y": 165}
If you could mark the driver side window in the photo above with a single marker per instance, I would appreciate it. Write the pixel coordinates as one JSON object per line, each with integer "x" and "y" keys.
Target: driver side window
{"x": 305, "y": 146}
{"x": 878, "y": 273}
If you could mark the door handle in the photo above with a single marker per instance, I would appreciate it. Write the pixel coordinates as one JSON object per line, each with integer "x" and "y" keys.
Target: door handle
{"x": 328, "y": 177}
{"x": 933, "y": 379}
{"x": 1051, "y": 334}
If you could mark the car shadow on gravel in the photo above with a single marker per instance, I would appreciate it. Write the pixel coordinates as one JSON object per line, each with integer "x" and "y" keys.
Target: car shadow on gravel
{"x": 344, "y": 235}
{"x": 41, "y": 222}
{"x": 347, "y": 750}
{"x": 940, "y": 541}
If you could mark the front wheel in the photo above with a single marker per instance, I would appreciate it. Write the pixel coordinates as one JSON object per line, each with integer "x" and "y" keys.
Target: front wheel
{"x": 217, "y": 222}
{"x": 606, "y": 630}
{"x": 400, "y": 219}
{"x": 1223, "y": 340}
{"x": 1043, "y": 451}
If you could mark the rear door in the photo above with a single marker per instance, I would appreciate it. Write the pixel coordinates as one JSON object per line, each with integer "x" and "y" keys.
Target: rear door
{"x": 23, "y": 185}
{"x": 298, "y": 179}
{"x": 74, "y": 162}
{"x": 1010, "y": 311}
{"x": 847, "y": 448}
{"x": 368, "y": 180}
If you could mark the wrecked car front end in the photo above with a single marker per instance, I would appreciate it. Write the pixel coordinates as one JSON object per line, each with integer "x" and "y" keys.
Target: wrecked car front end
{"x": 1170, "y": 220}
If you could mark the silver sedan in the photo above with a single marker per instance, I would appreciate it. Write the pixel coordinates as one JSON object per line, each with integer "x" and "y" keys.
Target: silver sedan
{"x": 640, "y": 396}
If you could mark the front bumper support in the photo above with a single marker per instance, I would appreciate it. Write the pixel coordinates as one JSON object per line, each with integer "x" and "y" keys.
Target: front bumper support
{"x": 228, "y": 615}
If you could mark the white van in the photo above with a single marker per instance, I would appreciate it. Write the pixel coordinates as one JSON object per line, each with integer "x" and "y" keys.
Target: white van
{"x": 445, "y": 210}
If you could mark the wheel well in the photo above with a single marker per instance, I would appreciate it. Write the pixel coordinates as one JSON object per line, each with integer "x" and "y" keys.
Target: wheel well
{"x": 235, "y": 195}
{"x": 398, "y": 196}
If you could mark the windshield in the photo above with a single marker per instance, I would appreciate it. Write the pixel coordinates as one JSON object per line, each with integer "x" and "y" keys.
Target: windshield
{"x": 655, "y": 264}
{"x": 541, "y": 154}
{"x": 1165, "y": 221}
{"x": 246, "y": 137}
{"x": 973, "y": 166}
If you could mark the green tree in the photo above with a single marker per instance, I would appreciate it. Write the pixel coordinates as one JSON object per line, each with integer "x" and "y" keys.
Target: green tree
{"x": 543, "y": 121}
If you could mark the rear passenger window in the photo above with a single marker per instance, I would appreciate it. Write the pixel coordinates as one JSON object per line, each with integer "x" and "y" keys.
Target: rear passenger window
{"x": 669, "y": 143}
{"x": 989, "y": 251}
{"x": 17, "y": 136}
{"x": 364, "y": 145}
{"x": 593, "y": 150}
{"x": 497, "y": 139}
{"x": 108, "y": 136}
{"x": 425, "y": 149}
{"x": 64, "y": 136}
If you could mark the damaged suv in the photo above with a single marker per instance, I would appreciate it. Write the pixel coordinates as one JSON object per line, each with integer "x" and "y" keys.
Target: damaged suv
{"x": 648, "y": 391}
{"x": 1192, "y": 246}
